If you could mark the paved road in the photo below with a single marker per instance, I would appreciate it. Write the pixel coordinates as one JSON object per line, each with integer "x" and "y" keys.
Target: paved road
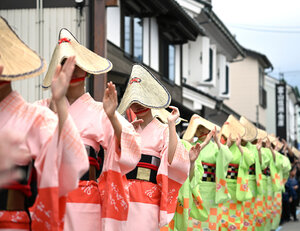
{"x": 292, "y": 225}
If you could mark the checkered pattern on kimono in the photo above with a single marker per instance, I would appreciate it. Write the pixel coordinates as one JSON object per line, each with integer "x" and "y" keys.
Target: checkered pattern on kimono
{"x": 260, "y": 213}
{"x": 252, "y": 169}
{"x": 232, "y": 215}
{"x": 267, "y": 172}
{"x": 277, "y": 203}
{"x": 249, "y": 215}
{"x": 276, "y": 209}
{"x": 232, "y": 172}
{"x": 209, "y": 172}
{"x": 211, "y": 223}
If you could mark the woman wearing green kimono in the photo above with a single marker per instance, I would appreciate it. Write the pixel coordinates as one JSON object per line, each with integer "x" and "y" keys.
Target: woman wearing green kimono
{"x": 201, "y": 195}
{"x": 237, "y": 175}
{"x": 283, "y": 166}
{"x": 270, "y": 179}
{"x": 255, "y": 174}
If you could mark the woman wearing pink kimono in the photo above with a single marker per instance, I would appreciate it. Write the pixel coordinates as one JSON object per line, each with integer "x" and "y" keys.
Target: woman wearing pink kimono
{"x": 101, "y": 205}
{"x": 54, "y": 144}
{"x": 164, "y": 164}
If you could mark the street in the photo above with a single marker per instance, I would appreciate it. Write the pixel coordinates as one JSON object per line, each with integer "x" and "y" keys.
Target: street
{"x": 291, "y": 226}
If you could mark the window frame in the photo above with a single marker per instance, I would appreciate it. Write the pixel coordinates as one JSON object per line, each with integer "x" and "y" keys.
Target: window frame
{"x": 132, "y": 36}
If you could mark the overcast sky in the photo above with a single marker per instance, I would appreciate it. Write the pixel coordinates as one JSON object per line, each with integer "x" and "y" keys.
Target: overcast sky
{"x": 271, "y": 27}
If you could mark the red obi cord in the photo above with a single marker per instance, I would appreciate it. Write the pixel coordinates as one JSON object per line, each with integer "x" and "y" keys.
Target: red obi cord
{"x": 147, "y": 165}
{"x": 94, "y": 162}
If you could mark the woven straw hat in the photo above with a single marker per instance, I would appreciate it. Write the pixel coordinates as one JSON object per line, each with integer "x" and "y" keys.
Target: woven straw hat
{"x": 19, "y": 61}
{"x": 261, "y": 134}
{"x": 296, "y": 152}
{"x": 85, "y": 59}
{"x": 251, "y": 130}
{"x": 274, "y": 140}
{"x": 195, "y": 122}
{"x": 234, "y": 127}
{"x": 143, "y": 88}
{"x": 163, "y": 114}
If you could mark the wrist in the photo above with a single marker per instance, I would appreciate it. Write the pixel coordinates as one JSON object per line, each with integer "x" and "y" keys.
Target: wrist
{"x": 112, "y": 117}
{"x": 171, "y": 124}
{"x": 60, "y": 101}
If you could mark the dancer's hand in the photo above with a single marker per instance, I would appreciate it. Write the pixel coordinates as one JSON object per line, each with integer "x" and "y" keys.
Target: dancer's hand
{"x": 110, "y": 100}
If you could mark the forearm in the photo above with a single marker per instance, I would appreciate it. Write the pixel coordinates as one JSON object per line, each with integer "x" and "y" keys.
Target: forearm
{"x": 62, "y": 112}
{"x": 172, "y": 142}
{"x": 192, "y": 167}
{"x": 117, "y": 126}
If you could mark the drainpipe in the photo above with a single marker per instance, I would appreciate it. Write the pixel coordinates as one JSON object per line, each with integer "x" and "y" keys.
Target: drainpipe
{"x": 39, "y": 22}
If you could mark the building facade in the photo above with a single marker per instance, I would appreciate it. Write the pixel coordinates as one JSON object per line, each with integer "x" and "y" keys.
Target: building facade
{"x": 247, "y": 85}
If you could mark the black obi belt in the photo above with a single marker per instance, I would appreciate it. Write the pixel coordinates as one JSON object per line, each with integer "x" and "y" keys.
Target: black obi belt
{"x": 93, "y": 160}
{"x": 267, "y": 172}
{"x": 146, "y": 169}
{"x": 209, "y": 172}
{"x": 252, "y": 169}
{"x": 232, "y": 172}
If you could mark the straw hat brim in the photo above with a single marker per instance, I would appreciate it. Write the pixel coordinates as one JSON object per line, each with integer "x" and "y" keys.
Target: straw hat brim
{"x": 85, "y": 58}
{"x": 163, "y": 114}
{"x": 233, "y": 128}
{"x": 250, "y": 129}
{"x": 261, "y": 134}
{"x": 18, "y": 60}
{"x": 194, "y": 124}
{"x": 145, "y": 89}
{"x": 296, "y": 152}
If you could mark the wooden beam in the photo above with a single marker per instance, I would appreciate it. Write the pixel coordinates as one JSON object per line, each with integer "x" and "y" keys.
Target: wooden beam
{"x": 99, "y": 46}
{"x": 112, "y": 3}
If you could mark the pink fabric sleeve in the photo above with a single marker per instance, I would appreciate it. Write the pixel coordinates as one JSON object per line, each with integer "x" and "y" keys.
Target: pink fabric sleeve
{"x": 125, "y": 157}
{"x": 171, "y": 177}
{"x": 59, "y": 165}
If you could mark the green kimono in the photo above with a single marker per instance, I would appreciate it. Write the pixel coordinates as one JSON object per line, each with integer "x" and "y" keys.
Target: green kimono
{"x": 232, "y": 210}
{"x": 261, "y": 198}
{"x": 255, "y": 178}
{"x": 203, "y": 197}
{"x": 269, "y": 178}
{"x": 283, "y": 168}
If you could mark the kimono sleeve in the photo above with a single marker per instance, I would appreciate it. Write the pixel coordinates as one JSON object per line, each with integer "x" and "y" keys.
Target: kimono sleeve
{"x": 286, "y": 167}
{"x": 170, "y": 177}
{"x": 243, "y": 192}
{"x": 224, "y": 157}
{"x": 60, "y": 162}
{"x": 185, "y": 201}
{"x": 121, "y": 156}
{"x": 276, "y": 175}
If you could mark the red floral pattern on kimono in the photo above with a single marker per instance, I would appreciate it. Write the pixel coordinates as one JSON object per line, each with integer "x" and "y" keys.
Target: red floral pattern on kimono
{"x": 103, "y": 205}
{"x": 59, "y": 162}
{"x": 152, "y": 206}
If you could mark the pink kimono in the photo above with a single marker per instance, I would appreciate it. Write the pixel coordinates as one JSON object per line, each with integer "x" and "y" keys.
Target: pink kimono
{"x": 59, "y": 162}
{"x": 85, "y": 205}
{"x": 153, "y": 202}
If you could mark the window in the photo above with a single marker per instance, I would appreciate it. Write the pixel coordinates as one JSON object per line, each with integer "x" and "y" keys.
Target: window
{"x": 167, "y": 59}
{"x": 262, "y": 91}
{"x": 133, "y": 37}
{"x": 171, "y": 63}
{"x": 226, "y": 81}
{"x": 211, "y": 65}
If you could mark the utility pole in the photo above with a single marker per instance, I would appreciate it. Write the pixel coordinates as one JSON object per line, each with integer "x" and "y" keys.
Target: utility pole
{"x": 98, "y": 10}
